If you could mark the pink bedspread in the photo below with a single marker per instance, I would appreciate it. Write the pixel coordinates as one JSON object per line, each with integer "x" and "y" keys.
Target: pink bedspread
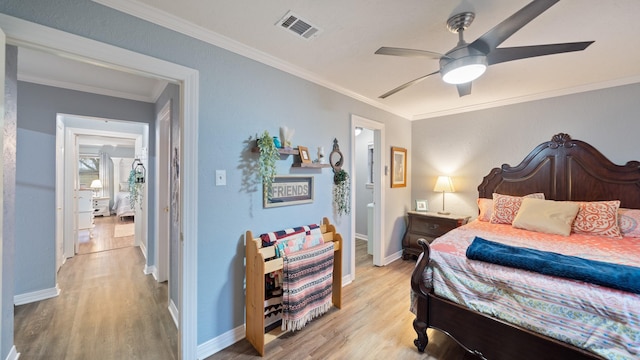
{"x": 598, "y": 319}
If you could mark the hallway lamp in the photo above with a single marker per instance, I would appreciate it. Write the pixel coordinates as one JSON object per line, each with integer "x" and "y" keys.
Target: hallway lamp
{"x": 96, "y": 185}
{"x": 443, "y": 184}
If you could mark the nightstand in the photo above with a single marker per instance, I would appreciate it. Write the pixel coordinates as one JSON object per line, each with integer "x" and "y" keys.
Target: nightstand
{"x": 429, "y": 226}
{"x": 101, "y": 206}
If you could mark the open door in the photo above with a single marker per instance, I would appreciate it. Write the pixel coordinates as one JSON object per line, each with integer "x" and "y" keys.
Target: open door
{"x": 60, "y": 258}
{"x": 163, "y": 161}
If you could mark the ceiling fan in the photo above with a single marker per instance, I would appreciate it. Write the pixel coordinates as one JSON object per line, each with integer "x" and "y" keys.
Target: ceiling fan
{"x": 467, "y": 61}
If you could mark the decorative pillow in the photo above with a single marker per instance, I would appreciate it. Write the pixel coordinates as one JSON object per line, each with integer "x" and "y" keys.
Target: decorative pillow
{"x": 628, "y": 220}
{"x": 486, "y": 209}
{"x": 547, "y": 216}
{"x": 505, "y": 207}
{"x": 598, "y": 218}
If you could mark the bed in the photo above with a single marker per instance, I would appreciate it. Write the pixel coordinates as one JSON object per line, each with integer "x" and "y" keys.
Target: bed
{"x": 122, "y": 205}
{"x": 562, "y": 169}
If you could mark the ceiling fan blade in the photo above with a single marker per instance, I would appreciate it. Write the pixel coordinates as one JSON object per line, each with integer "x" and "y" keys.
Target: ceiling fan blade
{"x": 404, "y": 86}
{"x": 464, "y": 89}
{"x": 500, "y": 55}
{"x": 496, "y": 36}
{"x": 408, "y": 52}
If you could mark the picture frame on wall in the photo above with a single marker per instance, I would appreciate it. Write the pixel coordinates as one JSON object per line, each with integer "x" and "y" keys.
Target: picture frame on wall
{"x": 422, "y": 205}
{"x": 290, "y": 190}
{"x": 304, "y": 154}
{"x": 398, "y": 167}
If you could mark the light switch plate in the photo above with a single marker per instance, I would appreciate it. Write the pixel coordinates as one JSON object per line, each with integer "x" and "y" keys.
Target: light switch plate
{"x": 221, "y": 177}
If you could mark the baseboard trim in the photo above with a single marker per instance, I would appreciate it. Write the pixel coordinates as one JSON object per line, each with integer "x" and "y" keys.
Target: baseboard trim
{"x": 34, "y": 296}
{"x": 218, "y": 343}
{"x": 143, "y": 248}
{"x": 13, "y": 354}
{"x": 393, "y": 257}
{"x": 151, "y": 270}
{"x": 173, "y": 310}
{"x": 362, "y": 237}
{"x": 346, "y": 280}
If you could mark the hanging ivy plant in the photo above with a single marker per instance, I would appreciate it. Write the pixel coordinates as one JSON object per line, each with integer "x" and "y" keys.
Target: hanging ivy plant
{"x": 135, "y": 190}
{"x": 269, "y": 154}
{"x": 341, "y": 192}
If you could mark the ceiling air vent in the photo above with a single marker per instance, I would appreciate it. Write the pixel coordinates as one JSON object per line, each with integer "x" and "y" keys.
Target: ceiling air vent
{"x": 298, "y": 26}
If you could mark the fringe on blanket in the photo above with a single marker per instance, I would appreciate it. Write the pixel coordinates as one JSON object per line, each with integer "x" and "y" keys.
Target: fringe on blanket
{"x": 293, "y": 325}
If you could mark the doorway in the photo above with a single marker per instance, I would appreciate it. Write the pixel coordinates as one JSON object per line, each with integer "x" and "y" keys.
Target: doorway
{"x": 377, "y": 186}
{"x": 21, "y": 33}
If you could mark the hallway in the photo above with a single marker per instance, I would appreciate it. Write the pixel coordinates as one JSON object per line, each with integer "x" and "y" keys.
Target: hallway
{"x": 107, "y": 309}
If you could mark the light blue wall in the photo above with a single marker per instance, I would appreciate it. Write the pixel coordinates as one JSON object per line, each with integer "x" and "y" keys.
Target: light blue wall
{"x": 35, "y": 173}
{"x": 467, "y": 146}
{"x": 238, "y": 98}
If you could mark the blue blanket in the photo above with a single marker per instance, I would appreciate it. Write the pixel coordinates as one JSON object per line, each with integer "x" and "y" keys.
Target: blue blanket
{"x": 621, "y": 277}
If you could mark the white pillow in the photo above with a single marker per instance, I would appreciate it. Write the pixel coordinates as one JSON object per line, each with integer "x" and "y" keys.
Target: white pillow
{"x": 547, "y": 216}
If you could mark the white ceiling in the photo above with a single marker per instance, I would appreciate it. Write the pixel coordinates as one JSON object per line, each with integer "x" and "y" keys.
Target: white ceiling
{"x": 342, "y": 56}
{"x": 47, "y": 69}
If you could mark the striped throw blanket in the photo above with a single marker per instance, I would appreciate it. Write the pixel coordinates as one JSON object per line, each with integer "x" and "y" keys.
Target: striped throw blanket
{"x": 307, "y": 285}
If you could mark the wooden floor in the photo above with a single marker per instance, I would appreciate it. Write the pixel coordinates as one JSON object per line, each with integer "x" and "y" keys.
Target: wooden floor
{"x": 107, "y": 309}
{"x": 101, "y": 238}
{"x": 374, "y": 323}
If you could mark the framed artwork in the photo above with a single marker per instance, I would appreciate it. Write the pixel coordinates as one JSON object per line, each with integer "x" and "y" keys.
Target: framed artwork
{"x": 290, "y": 190}
{"x": 304, "y": 154}
{"x": 398, "y": 167}
{"x": 422, "y": 205}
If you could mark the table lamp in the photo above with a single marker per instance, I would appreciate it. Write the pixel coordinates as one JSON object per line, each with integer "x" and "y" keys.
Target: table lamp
{"x": 444, "y": 184}
{"x": 96, "y": 185}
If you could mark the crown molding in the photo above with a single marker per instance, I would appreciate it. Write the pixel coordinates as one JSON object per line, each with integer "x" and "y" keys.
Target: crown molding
{"x": 172, "y": 22}
{"x": 533, "y": 97}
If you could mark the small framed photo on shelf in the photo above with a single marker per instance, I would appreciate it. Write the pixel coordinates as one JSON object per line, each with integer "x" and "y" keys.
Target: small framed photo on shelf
{"x": 422, "y": 205}
{"x": 304, "y": 154}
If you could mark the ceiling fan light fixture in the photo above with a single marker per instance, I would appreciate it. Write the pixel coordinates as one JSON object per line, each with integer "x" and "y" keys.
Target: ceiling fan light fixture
{"x": 464, "y": 70}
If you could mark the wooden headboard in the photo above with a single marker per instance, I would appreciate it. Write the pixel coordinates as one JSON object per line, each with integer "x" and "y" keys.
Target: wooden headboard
{"x": 567, "y": 169}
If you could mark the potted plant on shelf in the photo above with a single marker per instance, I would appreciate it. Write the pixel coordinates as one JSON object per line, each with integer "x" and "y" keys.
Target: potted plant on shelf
{"x": 269, "y": 154}
{"x": 341, "y": 192}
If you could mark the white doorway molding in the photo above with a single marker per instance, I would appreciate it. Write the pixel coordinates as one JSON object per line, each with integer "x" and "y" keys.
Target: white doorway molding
{"x": 22, "y": 33}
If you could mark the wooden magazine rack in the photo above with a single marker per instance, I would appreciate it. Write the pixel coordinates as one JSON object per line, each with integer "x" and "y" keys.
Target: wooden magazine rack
{"x": 258, "y": 267}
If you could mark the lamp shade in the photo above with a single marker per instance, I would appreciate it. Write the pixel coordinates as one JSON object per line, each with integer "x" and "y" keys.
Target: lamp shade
{"x": 444, "y": 184}
{"x": 96, "y": 184}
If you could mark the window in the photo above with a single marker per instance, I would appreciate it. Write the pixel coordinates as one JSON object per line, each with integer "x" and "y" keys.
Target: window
{"x": 88, "y": 170}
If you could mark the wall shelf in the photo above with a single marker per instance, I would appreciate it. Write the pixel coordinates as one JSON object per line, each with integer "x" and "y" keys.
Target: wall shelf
{"x": 282, "y": 151}
{"x": 287, "y": 152}
{"x": 310, "y": 165}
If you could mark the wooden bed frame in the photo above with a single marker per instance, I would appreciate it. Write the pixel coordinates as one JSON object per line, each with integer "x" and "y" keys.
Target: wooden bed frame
{"x": 563, "y": 169}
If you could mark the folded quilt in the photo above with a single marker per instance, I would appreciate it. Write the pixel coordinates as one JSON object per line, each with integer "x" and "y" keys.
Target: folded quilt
{"x": 295, "y": 239}
{"x": 616, "y": 276}
{"x": 307, "y": 286}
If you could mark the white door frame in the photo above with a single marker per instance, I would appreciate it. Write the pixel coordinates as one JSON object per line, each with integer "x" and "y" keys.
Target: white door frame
{"x": 3, "y": 60}
{"x": 163, "y": 152}
{"x": 378, "y": 193}
{"x": 27, "y": 34}
{"x": 70, "y": 188}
